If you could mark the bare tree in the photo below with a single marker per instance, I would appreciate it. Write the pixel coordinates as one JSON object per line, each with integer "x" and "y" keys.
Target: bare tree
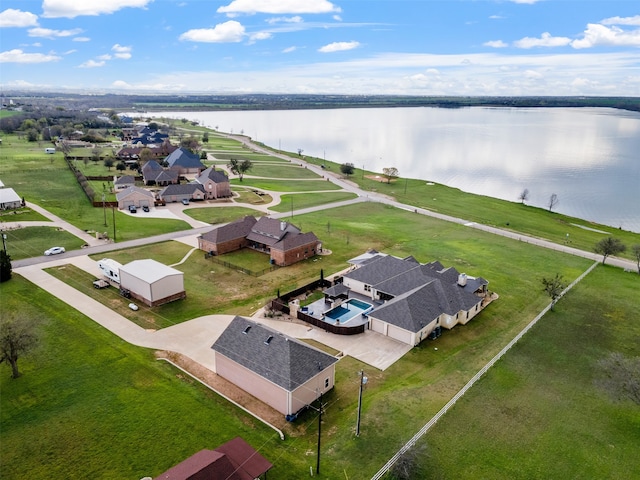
{"x": 524, "y": 195}
{"x": 609, "y": 246}
{"x": 17, "y": 336}
{"x": 636, "y": 253}
{"x": 554, "y": 288}
{"x": 407, "y": 467}
{"x": 390, "y": 173}
{"x": 553, "y": 201}
{"x": 620, "y": 377}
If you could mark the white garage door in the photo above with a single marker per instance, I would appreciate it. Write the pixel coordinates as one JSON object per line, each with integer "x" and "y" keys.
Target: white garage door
{"x": 399, "y": 334}
{"x": 376, "y": 325}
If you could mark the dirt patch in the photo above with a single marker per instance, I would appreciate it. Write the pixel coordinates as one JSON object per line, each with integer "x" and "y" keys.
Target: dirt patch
{"x": 226, "y": 388}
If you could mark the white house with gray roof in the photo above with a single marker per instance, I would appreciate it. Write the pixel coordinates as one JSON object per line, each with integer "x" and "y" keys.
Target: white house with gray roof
{"x": 281, "y": 371}
{"x": 412, "y": 299}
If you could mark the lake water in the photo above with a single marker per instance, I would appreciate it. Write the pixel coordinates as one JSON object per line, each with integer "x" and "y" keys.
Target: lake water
{"x": 588, "y": 157}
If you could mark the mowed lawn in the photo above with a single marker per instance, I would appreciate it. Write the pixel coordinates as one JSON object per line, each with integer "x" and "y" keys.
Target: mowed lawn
{"x": 539, "y": 412}
{"x": 111, "y": 401}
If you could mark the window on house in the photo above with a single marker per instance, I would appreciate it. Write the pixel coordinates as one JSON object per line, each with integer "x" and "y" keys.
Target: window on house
{"x": 367, "y": 288}
{"x": 326, "y": 383}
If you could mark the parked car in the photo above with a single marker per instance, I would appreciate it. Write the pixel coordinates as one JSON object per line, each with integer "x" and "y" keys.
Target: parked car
{"x": 185, "y": 201}
{"x": 145, "y": 208}
{"x": 132, "y": 209}
{"x": 54, "y": 251}
{"x": 133, "y": 306}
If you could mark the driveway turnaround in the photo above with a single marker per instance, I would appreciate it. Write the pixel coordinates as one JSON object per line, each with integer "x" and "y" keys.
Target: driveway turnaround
{"x": 194, "y": 338}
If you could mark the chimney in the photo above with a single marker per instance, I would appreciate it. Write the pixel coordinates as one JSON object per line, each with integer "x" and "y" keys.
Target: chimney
{"x": 283, "y": 226}
{"x": 462, "y": 279}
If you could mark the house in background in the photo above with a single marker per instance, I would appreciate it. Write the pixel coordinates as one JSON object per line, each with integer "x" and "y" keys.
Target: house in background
{"x": 126, "y": 181}
{"x": 284, "y": 242}
{"x": 411, "y": 300}
{"x": 177, "y": 193}
{"x": 234, "y": 460}
{"x": 134, "y": 196}
{"x": 215, "y": 183}
{"x": 281, "y": 371}
{"x": 154, "y": 174}
{"x": 185, "y": 162}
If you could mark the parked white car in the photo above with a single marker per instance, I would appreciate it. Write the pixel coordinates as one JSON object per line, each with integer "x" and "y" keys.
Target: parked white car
{"x": 54, "y": 251}
{"x": 133, "y": 306}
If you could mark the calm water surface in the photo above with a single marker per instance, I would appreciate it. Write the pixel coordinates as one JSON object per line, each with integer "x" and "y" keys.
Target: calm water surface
{"x": 588, "y": 157}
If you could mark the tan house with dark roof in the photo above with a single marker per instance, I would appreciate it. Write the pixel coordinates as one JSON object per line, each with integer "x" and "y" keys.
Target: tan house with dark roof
{"x": 284, "y": 242}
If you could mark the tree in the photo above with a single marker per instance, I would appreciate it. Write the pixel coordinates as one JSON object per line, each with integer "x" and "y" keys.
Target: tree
{"x": 108, "y": 162}
{"x": 407, "y": 467}
{"x": 636, "y": 253}
{"x": 553, "y": 201}
{"x": 205, "y": 137}
{"x": 121, "y": 166}
{"x": 17, "y": 336}
{"x": 390, "y": 173}
{"x": 95, "y": 154}
{"x": 620, "y": 377}
{"x": 524, "y": 196}
{"x": 239, "y": 167}
{"x": 609, "y": 246}
{"x": 5, "y": 265}
{"x": 554, "y": 288}
{"x": 347, "y": 169}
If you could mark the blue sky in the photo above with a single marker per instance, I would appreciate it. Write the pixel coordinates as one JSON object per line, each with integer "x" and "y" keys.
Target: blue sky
{"x": 414, "y": 47}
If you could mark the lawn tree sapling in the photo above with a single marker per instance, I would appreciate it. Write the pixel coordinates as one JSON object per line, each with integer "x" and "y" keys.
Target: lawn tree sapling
{"x": 554, "y": 288}
{"x": 390, "y": 173}
{"x": 347, "y": 169}
{"x": 239, "y": 167}
{"x": 609, "y": 246}
{"x": 524, "y": 196}
{"x": 553, "y": 201}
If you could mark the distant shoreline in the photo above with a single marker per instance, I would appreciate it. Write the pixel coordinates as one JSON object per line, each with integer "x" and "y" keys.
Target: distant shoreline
{"x": 243, "y": 102}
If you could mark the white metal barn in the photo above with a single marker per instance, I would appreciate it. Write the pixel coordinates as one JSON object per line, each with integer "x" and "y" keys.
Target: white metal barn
{"x": 152, "y": 282}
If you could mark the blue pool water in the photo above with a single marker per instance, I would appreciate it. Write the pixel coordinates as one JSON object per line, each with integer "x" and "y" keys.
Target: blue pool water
{"x": 348, "y": 310}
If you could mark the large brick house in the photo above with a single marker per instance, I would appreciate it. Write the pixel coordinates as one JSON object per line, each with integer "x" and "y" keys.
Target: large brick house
{"x": 284, "y": 242}
{"x": 215, "y": 183}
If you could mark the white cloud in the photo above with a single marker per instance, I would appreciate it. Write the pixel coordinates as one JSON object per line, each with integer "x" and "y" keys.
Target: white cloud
{"x": 18, "y": 56}
{"x": 289, "y": 49}
{"x": 278, "y": 7}
{"x": 545, "y": 40}
{"x": 532, "y": 74}
{"x": 530, "y": 2}
{"x": 296, "y": 19}
{"x": 81, "y": 39}
{"x": 598, "y": 35}
{"x": 622, "y": 21}
{"x": 75, "y": 8}
{"x": 106, "y": 56}
{"x": 496, "y": 17}
{"x": 226, "y": 32}
{"x": 260, "y": 36}
{"x": 49, "y": 33}
{"x": 92, "y": 64}
{"x": 121, "y": 52}
{"x": 17, "y": 18}
{"x": 495, "y": 44}
{"x": 339, "y": 47}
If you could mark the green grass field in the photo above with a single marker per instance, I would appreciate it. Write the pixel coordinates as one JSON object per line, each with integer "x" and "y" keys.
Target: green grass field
{"x": 306, "y": 200}
{"x": 539, "y": 413}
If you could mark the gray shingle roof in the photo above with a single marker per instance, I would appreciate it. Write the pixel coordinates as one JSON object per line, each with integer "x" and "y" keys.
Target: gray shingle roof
{"x": 231, "y": 231}
{"x": 216, "y": 176}
{"x": 293, "y": 240}
{"x": 184, "y": 158}
{"x": 420, "y": 292}
{"x": 177, "y": 189}
{"x": 283, "y": 360}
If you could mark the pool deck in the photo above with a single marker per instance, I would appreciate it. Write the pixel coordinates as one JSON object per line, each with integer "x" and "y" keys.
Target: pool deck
{"x": 318, "y": 308}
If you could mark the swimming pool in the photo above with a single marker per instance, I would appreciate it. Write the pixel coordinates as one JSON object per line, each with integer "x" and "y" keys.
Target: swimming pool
{"x": 343, "y": 313}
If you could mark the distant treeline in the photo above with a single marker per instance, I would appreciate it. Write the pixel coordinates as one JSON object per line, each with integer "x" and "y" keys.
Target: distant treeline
{"x": 291, "y": 102}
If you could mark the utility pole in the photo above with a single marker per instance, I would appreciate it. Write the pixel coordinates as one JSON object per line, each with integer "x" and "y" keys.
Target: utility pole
{"x": 104, "y": 210}
{"x": 4, "y": 244}
{"x": 320, "y": 410}
{"x": 113, "y": 210}
{"x": 363, "y": 381}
